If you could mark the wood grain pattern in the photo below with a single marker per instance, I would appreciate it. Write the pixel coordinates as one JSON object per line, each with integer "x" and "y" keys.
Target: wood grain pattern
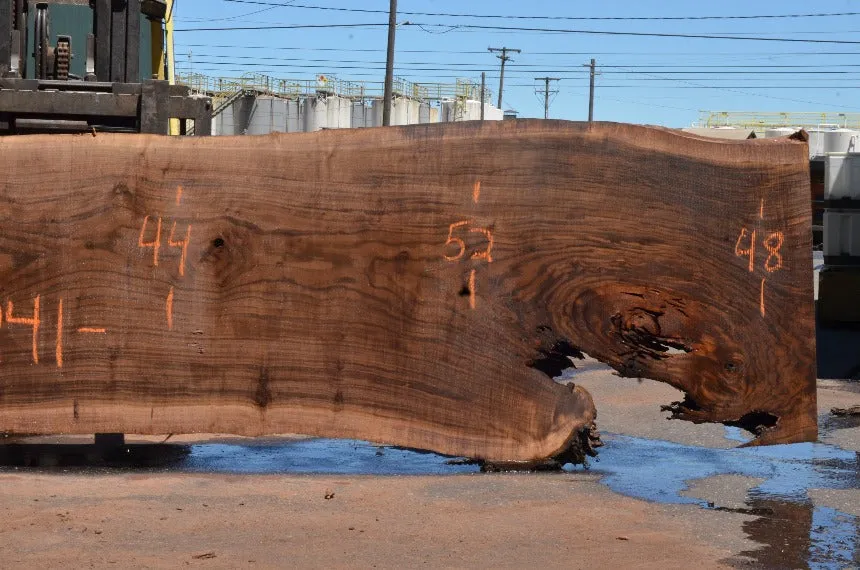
{"x": 417, "y": 286}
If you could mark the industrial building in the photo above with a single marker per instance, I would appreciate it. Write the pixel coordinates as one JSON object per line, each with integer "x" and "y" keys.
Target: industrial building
{"x": 257, "y": 104}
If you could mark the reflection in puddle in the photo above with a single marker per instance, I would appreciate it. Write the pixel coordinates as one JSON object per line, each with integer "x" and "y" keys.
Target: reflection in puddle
{"x": 320, "y": 456}
{"x": 262, "y": 456}
{"x": 793, "y": 531}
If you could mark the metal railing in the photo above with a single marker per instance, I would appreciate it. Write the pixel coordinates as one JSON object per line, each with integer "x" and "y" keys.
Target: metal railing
{"x": 756, "y": 120}
{"x": 223, "y": 88}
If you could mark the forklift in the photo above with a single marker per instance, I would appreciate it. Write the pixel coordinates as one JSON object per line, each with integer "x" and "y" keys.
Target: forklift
{"x": 70, "y": 66}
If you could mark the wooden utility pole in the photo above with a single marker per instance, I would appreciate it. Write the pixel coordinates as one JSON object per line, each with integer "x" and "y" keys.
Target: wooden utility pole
{"x": 503, "y": 55}
{"x": 547, "y": 93}
{"x": 483, "y": 92}
{"x": 389, "y": 65}
{"x": 591, "y": 90}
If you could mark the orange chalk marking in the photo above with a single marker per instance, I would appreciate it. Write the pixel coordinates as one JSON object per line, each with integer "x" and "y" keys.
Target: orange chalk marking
{"x": 183, "y": 244}
{"x": 59, "y": 349}
{"x": 476, "y": 192}
{"x": 761, "y": 209}
{"x": 748, "y": 252}
{"x": 773, "y": 244}
{"x": 92, "y": 330}
{"x": 472, "y": 300}
{"x": 761, "y": 298}
{"x": 168, "y": 307}
{"x": 455, "y": 240}
{"x": 155, "y": 244}
{"x": 34, "y": 322}
{"x": 488, "y": 253}
{"x": 178, "y": 195}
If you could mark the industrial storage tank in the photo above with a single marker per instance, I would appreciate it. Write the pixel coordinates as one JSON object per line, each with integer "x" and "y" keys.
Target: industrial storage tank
{"x": 468, "y": 110}
{"x": 823, "y": 141}
{"x": 404, "y": 111}
{"x": 267, "y": 116}
{"x": 294, "y": 121}
{"x": 839, "y": 140}
{"x": 338, "y": 113}
{"x": 775, "y": 132}
{"x": 362, "y": 115}
{"x": 314, "y": 114}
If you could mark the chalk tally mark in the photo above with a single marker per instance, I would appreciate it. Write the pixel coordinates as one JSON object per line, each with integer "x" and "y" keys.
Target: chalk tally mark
{"x": 452, "y": 240}
{"x": 749, "y": 251}
{"x": 472, "y": 292}
{"x": 460, "y": 244}
{"x": 182, "y": 244}
{"x": 486, "y": 254}
{"x": 34, "y": 322}
{"x": 172, "y": 241}
{"x": 745, "y": 246}
{"x": 61, "y": 319}
{"x": 58, "y": 350}
{"x": 155, "y": 244}
{"x": 168, "y": 309}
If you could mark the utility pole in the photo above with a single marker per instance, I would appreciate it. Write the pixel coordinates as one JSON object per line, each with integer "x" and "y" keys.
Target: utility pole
{"x": 503, "y": 51}
{"x": 591, "y": 90}
{"x": 389, "y": 66}
{"x": 547, "y": 93}
{"x": 483, "y": 92}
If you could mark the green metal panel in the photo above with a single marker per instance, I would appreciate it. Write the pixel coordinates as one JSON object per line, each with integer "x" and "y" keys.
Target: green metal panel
{"x": 76, "y": 20}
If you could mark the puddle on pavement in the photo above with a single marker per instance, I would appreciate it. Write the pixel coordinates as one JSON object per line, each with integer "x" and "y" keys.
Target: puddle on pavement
{"x": 792, "y": 530}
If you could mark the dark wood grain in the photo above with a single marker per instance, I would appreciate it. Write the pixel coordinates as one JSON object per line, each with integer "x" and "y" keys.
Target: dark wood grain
{"x": 319, "y": 295}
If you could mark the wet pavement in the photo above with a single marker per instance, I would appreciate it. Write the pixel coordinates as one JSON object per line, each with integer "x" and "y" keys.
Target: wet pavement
{"x": 792, "y": 527}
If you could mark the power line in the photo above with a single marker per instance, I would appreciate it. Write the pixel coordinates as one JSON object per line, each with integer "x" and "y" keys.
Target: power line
{"x": 650, "y": 34}
{"x": 680, "y": 69}
{"x": 565, "y": 73}
{"x": 625, "y": 53}
{"x": 568, "y": 18}
{"x": 279, "y": 27}
{"x": 525, "y": 29}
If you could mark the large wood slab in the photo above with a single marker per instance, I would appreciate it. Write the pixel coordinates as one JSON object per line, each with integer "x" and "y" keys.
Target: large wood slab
{"x": 418, "y": 286}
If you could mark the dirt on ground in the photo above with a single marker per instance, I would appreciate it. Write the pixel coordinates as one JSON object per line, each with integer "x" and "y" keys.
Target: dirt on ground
{"x": 224, "y": 521}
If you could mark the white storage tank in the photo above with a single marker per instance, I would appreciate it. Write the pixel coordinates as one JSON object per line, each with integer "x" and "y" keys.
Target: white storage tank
{"x": 779, "y": 132}
{"x": 338, "y": 113}
{"x": 823, "y": 141}
{"x": 294, "y": 123}
{"x": 362, "y": 115}
{"x": 468, "y": 110}
{"x": 841, "y": 234}
{"x": 839, "y": 140}
{"x": 842, "y": 176}
{"x": 314, "y": 113}
{"x": 268, "y": 115}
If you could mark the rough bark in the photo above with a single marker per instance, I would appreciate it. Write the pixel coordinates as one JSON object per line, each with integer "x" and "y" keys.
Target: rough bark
{"x": 417, "y": 286}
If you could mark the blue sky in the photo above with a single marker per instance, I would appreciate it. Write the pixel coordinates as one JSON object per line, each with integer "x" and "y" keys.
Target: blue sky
{"x": 652, "y": 80}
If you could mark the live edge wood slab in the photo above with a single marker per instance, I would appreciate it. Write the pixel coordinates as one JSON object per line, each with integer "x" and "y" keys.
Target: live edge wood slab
{"x": 417, "y": 286}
